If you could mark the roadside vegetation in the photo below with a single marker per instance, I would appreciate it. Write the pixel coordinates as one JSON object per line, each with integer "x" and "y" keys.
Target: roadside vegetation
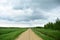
{"x": 10, "y": 33}
{"x": 50, "y": 31}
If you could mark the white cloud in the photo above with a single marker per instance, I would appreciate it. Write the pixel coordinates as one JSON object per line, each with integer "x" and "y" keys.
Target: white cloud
{"x": 53, "y": 14}
{"x": 7, "y": 13}
{"x": 3, "y": 1}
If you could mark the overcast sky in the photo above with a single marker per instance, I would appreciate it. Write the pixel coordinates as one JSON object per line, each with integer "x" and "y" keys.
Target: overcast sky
{"x": 28, "y": 13}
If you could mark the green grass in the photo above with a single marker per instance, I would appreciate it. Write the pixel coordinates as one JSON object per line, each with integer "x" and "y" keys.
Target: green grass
{"x": 10, "y": 33}
{"x": 47, "y": 34}
{"x": 5, "y": 31}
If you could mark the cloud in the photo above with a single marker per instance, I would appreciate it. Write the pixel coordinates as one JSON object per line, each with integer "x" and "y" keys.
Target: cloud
{"x": 53, "y": 14}
{"x": 8, "y": 13}
{"x": 28, "y": 12}
{"x": 42, "y": 4}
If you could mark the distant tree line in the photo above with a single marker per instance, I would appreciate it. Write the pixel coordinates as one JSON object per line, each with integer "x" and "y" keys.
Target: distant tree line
{"x": 55, "y": 26}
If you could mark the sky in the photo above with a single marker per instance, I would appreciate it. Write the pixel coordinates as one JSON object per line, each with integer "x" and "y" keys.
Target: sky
{"x": 28, "y": 13}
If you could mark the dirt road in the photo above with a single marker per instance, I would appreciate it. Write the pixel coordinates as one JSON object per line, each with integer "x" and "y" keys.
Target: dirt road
{"x": 28, "y": 35}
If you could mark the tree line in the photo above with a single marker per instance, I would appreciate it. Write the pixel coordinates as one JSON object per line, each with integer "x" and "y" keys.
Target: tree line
{"x": 55, "y": 26}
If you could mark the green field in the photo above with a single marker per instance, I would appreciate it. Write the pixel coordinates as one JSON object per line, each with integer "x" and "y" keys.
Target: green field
{"x": 10, "y": 33}
{"x": 47, "y": 34}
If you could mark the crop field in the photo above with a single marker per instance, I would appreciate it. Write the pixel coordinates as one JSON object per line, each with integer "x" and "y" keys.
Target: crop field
{"x": 47, "y": 34}
{"x": 10, "y": 33}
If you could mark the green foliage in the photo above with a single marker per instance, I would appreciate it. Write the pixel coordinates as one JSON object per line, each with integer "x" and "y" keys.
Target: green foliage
{"x": 38, "y": 27}
{"x": 43, "y": 36}
{"x": 10, "y": 33}
{"x": 5, "y": 31}
{"x": 48, "y": 34}
{"x": 50, "y": 25}
{"x": 55, "y": 26}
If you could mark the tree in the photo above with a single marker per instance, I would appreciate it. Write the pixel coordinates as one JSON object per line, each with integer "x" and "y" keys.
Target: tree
{"x": 57, "y": 24}
{"x": 49, "y": 25}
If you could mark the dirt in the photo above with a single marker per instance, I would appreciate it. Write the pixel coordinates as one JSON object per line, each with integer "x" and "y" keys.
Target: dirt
{"x": 28, "y": 35}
